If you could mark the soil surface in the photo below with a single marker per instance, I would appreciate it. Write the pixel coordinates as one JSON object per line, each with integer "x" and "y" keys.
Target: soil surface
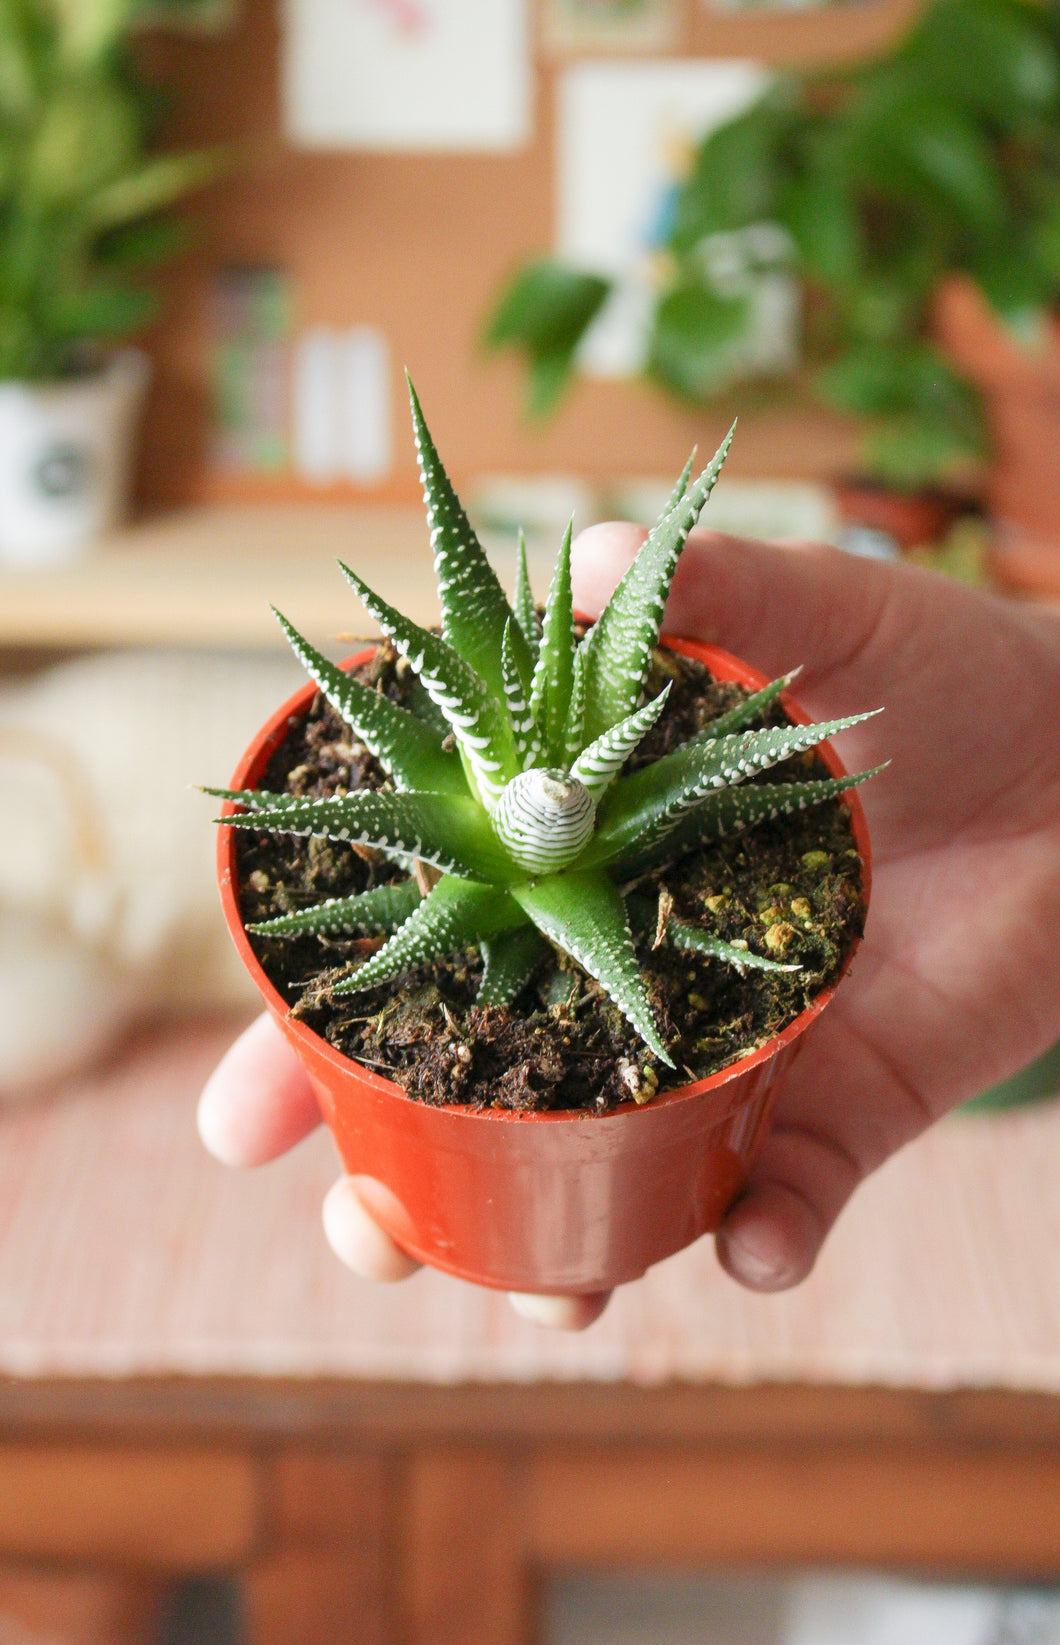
{"x": 790, "y": 889}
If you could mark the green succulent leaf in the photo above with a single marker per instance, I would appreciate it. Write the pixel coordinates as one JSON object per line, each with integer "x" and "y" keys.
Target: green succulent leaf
{"x": 449, "y": 831}
{"x": 702, "y": 942}
{"x": 456, "y": 914}
{"x": 681, "y": 485}
{"x": 411, "y": 751}
{"x": 479, "y": 720}
{"x": 573, "y": 735}
{"x": 421, "y": 706}
{"x": 599, "y": 764}
{"x": 384, "y": 908}
{"x": 252, "y": 799}
{"x": 475, "y": 609}
{"x": 510, "y": 959}
{"x": 554, "y": 674}
{"x": 731, "y": 810}
{"x": 750, "y": 709}
{"x": 525, "y": 609}
{"x": 620, "y": 644}
{"x": 583, "y": 914}
{"x": 528, "y": 745}
{"x": 642, "y": 808}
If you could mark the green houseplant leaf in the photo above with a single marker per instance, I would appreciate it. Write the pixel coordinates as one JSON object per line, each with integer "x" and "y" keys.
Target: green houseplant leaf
{"x": 585, "y": 916}
{"x": 938, "y": 157}
{"x": 545, "y": 311}
{"x": 81, "y": 197}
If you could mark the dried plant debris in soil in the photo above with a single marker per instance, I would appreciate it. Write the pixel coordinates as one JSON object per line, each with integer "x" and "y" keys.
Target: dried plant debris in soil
{"x": 790, "y": 889}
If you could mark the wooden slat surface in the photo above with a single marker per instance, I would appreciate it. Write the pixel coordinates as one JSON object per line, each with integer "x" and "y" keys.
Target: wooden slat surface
{"x": 347, "y": 1411}
{"x": 930, "y": 1507}
{"x": 941, "y": 1275}
{"x": 182, "y": 1510}
{"x": 464, "y": 1548}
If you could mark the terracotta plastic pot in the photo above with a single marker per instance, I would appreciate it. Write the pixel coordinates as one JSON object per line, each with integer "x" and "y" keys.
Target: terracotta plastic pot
{"x": 1021, "y": 395}
{"x": 564, "y": 1203}
{"x": 911, "y": 518}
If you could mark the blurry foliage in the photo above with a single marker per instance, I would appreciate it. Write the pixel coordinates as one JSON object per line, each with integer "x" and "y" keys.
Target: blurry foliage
{"x": 82, "y": 203}
{"x": 546, "y": 310}
{"x": 942, "y": 156}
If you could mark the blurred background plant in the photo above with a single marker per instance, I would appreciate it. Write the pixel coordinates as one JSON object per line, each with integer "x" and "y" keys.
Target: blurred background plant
{"x": 940, "y": 157}
{"x": 82, "y": 200}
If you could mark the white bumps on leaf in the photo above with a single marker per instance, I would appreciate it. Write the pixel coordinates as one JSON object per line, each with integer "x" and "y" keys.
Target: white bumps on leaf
{"x": 543, "y": 819}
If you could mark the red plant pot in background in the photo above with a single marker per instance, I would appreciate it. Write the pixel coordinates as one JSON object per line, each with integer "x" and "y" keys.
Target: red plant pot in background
{"x": 1021, "y": 394}
{"x": 911, "y": 518}
{"x": 565, "y": 1203}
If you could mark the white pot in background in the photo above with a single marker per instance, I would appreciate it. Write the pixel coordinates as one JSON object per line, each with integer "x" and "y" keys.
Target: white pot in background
{"x": 66, "y": 454}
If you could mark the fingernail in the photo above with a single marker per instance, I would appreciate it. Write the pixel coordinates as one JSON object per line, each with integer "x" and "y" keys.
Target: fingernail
{"x": 755, "y": 1268}
{"x": 214, "y": 1133}
{"x": 558, "y": 1313}
{"x": 357, "y": 1239}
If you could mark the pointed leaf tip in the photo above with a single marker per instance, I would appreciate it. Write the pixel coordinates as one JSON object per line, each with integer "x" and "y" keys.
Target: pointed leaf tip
{"x": 474, "y": 605}
{"x": 621, "y": 641}
{"x": 554, "y": 674}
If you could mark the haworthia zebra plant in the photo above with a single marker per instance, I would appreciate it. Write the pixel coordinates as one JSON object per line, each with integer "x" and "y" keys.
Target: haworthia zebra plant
{"x": 510, "y": 781}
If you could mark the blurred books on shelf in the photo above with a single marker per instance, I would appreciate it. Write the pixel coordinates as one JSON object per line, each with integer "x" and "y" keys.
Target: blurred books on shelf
{"x": 251, "y": 371}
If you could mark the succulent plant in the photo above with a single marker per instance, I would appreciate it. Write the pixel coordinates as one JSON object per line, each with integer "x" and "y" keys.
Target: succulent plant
{"x": 507, "y": 796}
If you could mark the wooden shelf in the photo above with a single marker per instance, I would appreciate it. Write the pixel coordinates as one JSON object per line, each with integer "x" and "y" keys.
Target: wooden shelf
{"x": 206, "y": 577}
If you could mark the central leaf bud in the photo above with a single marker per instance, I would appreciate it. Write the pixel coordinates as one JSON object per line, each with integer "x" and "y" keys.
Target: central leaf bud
{"x": 544, "y": 818}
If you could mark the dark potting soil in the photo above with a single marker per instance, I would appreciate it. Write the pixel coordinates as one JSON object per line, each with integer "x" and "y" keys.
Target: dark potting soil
{"x": 789, "y": 889}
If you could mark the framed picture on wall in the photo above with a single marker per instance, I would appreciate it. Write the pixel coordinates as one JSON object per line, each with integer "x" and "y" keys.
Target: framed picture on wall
{"x": 627, "y": 133}
{"x": 611, "y": 25}
{"x": 443, "y": 75}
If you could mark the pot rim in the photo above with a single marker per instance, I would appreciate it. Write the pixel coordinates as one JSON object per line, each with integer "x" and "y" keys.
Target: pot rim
{"x": 274, "y": 733}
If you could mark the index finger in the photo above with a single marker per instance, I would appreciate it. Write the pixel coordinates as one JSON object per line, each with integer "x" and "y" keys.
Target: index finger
{"x": 778, "y": 607}
{"x": 258, "y": 1101}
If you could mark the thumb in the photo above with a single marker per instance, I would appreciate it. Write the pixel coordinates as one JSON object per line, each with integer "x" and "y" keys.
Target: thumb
{"x": 777, "y": 606}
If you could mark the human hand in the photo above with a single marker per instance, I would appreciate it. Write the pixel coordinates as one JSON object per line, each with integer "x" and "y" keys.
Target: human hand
{"x": 957, "y": 982}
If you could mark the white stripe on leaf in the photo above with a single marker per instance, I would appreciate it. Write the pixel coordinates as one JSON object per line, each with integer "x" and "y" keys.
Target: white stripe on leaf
{"x": 601, "y": 762}
{"x": 543, "y": 819}
{"x": 456, "y": 914}
{"x": 479, "y": 720}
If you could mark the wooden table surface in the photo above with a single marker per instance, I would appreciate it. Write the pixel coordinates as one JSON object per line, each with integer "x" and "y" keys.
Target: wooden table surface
{"x": 190, "y": 1382}
{"x": 205, "y": 576}
{"x": 126, "y": 1251}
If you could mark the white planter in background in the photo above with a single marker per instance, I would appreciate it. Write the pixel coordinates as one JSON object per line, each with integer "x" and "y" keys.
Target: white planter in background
{"x": 66, "y": 454}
